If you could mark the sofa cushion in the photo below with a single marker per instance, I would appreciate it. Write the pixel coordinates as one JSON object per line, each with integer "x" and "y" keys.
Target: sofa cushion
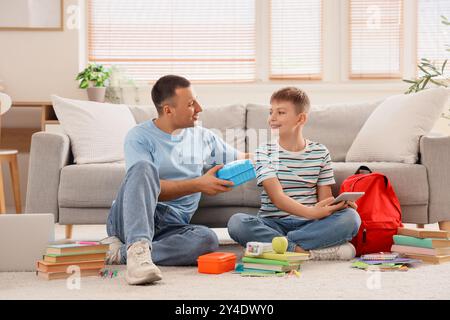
{"x": 96, "y": 185}
{"x": 246, "y": 195}
{"x": 228, "y": 122}
{"x": 90, "y": 185}
{"x": 393, "y": 130}
{"x": 409, "y": 182}
{"x": 142, "y": 113}
{"x": 334, "y": 125}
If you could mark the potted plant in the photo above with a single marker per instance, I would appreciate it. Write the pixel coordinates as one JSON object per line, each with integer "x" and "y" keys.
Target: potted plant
{"x": 93, "y": 78}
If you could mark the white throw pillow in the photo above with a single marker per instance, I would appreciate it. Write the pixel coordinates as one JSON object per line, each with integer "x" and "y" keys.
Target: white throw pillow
{"x": 392, "y": 131}
{"x": 96, "y": 130}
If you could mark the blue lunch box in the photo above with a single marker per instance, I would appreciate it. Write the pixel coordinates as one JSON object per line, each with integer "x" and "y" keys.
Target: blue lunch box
{"x": 239, "y": 172}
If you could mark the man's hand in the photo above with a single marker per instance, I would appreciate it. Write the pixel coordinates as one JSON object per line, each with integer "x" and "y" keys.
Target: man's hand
{"x": 211, "y": 185}
{"x": 325, "y": 208}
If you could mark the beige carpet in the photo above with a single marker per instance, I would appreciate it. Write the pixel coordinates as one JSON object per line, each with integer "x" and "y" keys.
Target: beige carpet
{"x": 318, "y": 280}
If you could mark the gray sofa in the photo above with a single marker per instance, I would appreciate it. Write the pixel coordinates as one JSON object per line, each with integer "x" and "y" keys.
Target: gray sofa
{"x": 82, "y": 194}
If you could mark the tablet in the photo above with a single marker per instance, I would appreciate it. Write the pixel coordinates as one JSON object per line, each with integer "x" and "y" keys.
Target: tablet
{"x": 348, "y": 196}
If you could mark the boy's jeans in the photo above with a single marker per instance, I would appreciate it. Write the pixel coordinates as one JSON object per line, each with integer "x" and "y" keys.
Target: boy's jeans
{"x": 136, "y": 215}
{"x": 335, "y": 229}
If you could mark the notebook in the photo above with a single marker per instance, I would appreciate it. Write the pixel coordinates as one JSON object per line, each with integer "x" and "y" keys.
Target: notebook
{"x": 380, "y": 256}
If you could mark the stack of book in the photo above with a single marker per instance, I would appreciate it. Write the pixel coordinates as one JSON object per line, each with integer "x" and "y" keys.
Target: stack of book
{"x": 62, "y": 260}
{"x": 271, "y": 264}
{"x": 432, "y": 246}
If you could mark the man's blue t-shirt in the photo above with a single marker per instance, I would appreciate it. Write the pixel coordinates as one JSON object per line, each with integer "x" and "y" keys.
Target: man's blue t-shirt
{"x": 177, "y": 157}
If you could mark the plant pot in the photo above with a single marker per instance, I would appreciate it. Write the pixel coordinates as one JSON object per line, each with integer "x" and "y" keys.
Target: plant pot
{"x": 96, "y": 94}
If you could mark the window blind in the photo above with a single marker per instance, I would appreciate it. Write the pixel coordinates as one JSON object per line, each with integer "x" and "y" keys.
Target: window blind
{"x": 203, "y": 40}
{"x": 433, "y": 37}
{"x": 296, "y": 39}
{"x": 376, "y": 38}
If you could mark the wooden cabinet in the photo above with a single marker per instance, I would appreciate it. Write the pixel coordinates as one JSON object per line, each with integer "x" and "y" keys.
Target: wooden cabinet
{"x": 19, "y": 138}
{"x": 48, "y": 116}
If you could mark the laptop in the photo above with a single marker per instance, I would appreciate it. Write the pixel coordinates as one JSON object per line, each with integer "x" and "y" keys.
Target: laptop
{"x": 24, "y": 239}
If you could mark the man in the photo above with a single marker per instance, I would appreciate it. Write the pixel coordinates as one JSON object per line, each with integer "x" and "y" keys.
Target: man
{"x": 149, "y": 220}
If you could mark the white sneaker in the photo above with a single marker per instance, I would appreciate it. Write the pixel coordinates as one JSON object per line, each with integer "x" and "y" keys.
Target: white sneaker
{"x": 344, "y": 251}
{"x": 140, "y": 268}
{"x": 113, "y": 254}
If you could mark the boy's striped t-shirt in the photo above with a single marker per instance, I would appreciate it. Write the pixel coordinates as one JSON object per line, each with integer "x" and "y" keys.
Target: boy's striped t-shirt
{"x": 299, "y": 173}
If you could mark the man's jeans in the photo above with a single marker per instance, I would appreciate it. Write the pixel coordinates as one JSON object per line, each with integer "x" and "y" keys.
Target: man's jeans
{"x": 335, "y": 229}
{"x": 136, "y": 215}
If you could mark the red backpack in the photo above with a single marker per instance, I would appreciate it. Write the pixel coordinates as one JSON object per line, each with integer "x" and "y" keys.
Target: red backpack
{"x": 378, "y": 208}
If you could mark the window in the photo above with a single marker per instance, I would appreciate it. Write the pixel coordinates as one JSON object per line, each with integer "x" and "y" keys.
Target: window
{"x": 376, "y": 38}
{"x": 433, "y": 37}
{"x": 204, "y": 40}
{"x": 296, "y": 39}
{"x": 212, "y": 41}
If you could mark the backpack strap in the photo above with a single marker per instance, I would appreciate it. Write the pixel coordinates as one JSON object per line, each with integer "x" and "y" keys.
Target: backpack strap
{"x": 363, "y": 168}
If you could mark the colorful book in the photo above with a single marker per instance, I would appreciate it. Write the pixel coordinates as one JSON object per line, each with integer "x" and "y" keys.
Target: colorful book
{"x": 271, "y": 267}
{"x": 64, "y": 275}
{"x": 423, "y": 233}
{"x": 418, "y": 250}
{"x": 240, "y": 268}
{"x": 259, "y": 274}
{"x": 421, "y": 242}
{"x": 74, "y": 257}
{"x": 266, "y": 261}
{"x": 429, "y": 259}
{"x": 287, "y": 256}
{"x": 383, "y": 256}
{"x": 76, "y": 248}
{"x": 393, "y": 261}
{"x": 44, "y": 266}
{"x": 379, "y": 267}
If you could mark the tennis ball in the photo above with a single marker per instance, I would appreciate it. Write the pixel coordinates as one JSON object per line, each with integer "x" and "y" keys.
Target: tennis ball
{"x": 279, "y": 244}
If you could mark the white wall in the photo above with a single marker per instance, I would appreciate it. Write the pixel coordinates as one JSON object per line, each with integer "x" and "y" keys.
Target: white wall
{"x": 35, "y": 64}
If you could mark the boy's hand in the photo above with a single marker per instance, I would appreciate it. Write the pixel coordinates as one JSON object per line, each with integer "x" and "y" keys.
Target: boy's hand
{"x": 351, "y": 204}
{"x": 325, "y": 202}
{"x": 211, "y": 185}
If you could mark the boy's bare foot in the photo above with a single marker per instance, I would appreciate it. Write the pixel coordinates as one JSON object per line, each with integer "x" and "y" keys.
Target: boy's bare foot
{"x": 300, "y": 250}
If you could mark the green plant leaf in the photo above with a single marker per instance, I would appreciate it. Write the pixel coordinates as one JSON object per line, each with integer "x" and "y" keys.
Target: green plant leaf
{"x": 443, "y": 67}
{"x": 440, "y": 84}
{"x": 96, "y": 74}
{"x": 425, "y": 83}
{"x": 84, "y": 84}
{"x": 423, "y": 70}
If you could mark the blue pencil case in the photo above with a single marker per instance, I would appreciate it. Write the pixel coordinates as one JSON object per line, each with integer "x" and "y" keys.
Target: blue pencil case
{"x": 239, "y": 172}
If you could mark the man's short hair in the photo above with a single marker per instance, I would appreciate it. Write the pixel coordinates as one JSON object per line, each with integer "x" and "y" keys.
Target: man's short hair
{"x": 296, "y": 96}
{"x": 164, "y": 89}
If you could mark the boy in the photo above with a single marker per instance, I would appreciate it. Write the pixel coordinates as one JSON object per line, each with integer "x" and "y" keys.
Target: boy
{"x": 296, "y": 201}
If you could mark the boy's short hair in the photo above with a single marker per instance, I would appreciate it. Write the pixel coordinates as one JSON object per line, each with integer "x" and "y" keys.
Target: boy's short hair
{"x": 164, "y": 89}
{"x": 296, "y": 96}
